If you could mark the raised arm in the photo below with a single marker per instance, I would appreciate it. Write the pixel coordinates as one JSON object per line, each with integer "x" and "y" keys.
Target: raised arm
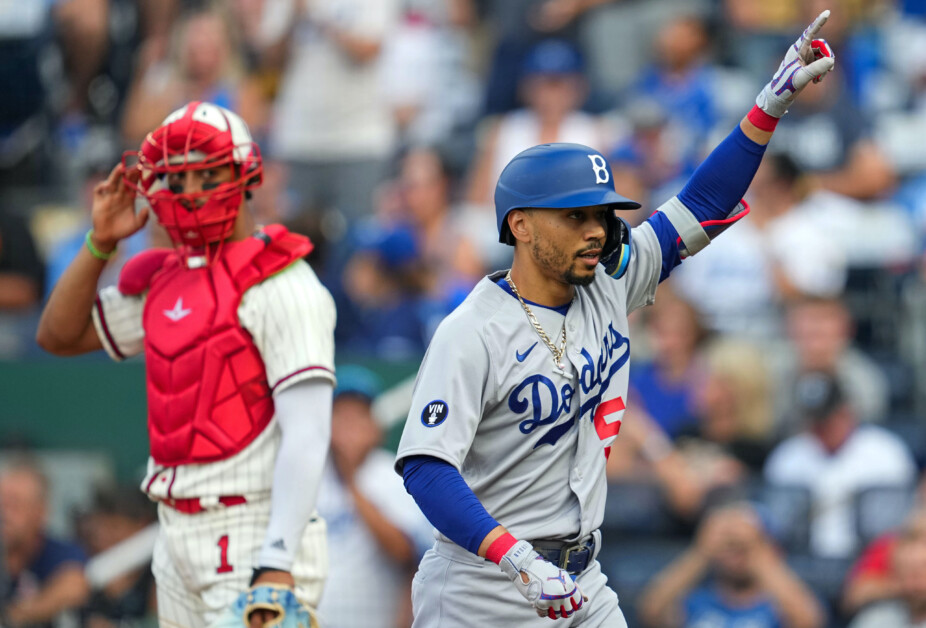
{"x": 66, "y": 327}
{"x": 710, "y": 201}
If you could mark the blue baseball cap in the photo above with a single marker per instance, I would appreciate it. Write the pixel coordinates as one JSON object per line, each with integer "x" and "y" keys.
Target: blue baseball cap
{"x": 359, "y": 381}
{"x": 552, "y": 57}
{"x": 395, "y": 245}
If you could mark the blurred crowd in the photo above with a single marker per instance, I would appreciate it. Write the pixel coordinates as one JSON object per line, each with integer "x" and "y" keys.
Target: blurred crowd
{"x": 769, "y": 462}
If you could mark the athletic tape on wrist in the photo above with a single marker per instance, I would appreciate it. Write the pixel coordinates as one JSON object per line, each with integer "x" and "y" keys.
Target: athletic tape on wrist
{"x": 499, "y": 547}
{"x": 762, "y": 120}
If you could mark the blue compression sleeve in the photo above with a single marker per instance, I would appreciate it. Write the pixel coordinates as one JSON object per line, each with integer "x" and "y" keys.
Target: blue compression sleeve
{"x": 723, "y": 177}
{"x": 447, "y": 501}
{"x": 668, "y": 242}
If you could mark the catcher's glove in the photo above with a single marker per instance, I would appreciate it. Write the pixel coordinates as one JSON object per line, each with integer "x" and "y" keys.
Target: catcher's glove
{"x": 290, "y": 612}
{"x": 550, "y": 590}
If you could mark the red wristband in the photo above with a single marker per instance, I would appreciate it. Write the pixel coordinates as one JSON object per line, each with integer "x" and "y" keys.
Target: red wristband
{"x": 762, "y": 120}
{"x": 499, "y": 547}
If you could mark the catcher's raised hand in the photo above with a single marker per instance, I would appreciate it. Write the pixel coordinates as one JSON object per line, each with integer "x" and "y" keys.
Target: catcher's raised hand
{"x": 808, "y": 60}
{"x": 113, "y": 212}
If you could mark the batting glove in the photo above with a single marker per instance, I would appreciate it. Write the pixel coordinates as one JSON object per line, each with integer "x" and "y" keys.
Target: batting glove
{"x": 807, "y": 60}
{"x": 290, "y": 612}
{"x": 549, "y": 589}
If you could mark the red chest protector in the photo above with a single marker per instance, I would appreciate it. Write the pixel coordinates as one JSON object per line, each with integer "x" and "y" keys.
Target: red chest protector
{"x": 208, "y": 395}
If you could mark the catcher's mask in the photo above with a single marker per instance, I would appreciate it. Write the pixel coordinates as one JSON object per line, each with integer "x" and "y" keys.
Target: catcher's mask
{"x": 564, "y": 176}
{"x": 197, "y": 136}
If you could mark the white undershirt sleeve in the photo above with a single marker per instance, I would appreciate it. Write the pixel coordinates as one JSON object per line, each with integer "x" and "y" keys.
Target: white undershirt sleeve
{"x": 118, "y": 321}
{"x": 303, "y": 412}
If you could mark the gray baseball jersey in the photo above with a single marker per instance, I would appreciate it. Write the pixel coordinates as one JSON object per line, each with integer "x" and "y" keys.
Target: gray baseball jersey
{"x": 529, "y": 439}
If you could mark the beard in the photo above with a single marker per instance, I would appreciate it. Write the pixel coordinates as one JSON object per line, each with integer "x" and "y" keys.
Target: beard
{"x": 558, "y": 263}
{"x": 571, "y": 278}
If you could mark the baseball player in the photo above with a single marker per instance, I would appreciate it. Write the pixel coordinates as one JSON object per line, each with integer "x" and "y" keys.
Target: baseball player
{"x": 237, "y": 333}
{"x": 523, "y": 386}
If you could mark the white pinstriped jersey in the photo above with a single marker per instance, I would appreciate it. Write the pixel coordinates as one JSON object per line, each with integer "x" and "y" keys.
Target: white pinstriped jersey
{"x": 291, "y": 318}
{"x": 531, "y": 440}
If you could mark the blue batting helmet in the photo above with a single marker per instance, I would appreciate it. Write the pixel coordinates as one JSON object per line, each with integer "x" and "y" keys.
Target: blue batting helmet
{"x": 555, "y": 176}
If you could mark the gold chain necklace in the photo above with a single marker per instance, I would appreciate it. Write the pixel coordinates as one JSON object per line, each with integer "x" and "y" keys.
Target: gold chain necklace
{"x": 557, "y": 352}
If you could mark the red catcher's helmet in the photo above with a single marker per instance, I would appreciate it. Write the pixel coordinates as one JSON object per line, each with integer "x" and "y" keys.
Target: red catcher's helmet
{"x": 198, "y": 136}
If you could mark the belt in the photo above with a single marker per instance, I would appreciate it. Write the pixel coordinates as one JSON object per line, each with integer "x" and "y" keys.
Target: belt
{"x": 573, "y": 558}
{"x": 194, "y": 505}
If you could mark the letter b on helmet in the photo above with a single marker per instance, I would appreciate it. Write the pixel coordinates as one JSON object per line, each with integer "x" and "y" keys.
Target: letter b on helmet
{"x": 600, "y": 166}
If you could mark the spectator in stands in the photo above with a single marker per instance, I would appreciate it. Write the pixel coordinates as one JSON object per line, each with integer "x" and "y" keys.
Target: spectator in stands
{"x": 757, "y": 29}
{"x": 720, "y": 451}
{"x": 733, "y": 404}
{"x": 46, "y": 575}
{"x": 21, "y": 280}
{"x": 778, "y": 255}
{"x": 330, "y": 123}
{"x": 73, "y": 34}
{"x": 517, "y": 26}
{"x": 21, "y": 269}
{"x": 648, "y": 160}
{"x": 552, "y": 88}
{"x": 380, "y": 298}
{"x": 820, "y": 331}
{"x": 664, "y": 385}
{"x": 367, "y": 510}
{"x": 203, "y": 63}
{"x": 117, "y": 515}
{"x": 908, "y": 585}
{"x": 433, "y": 93}
{"x": 645, "y": 456}
{"x": 749, "y": 585}
{"x": 684, "y": 85}
{"x": 828, "y": 137}
{"x": 448, "y": 253}
{"x": 835, "y": 457}
{"x": 873, "y": 578}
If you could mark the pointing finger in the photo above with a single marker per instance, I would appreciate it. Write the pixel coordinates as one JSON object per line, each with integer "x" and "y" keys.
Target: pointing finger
{"x": 818, "y": 23}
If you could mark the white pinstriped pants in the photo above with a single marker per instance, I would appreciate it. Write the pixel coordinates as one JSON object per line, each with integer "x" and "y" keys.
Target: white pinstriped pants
{"x": 203, "y": 562}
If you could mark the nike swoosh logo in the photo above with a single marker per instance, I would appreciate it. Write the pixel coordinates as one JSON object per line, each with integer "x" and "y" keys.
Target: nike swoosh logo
{"x": 521, "y": 356}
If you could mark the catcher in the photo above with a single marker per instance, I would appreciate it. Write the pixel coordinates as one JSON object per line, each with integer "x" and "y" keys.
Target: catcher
{"x": 237, "y": 333}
